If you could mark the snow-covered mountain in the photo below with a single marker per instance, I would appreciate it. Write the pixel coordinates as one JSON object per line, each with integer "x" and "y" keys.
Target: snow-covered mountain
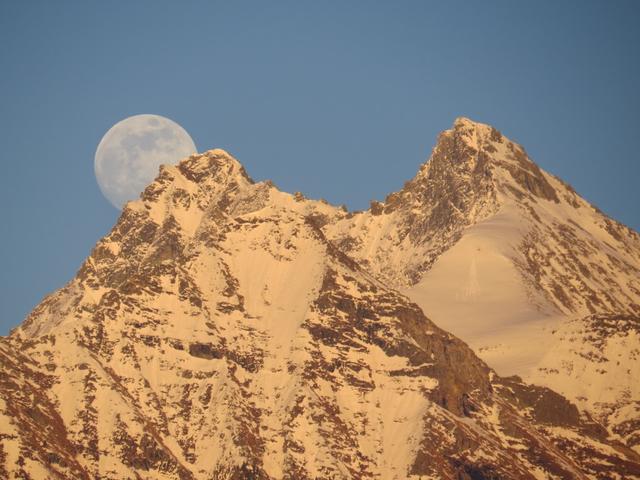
{"x": 227, "y": 330}
{"x": 510, "y": 259}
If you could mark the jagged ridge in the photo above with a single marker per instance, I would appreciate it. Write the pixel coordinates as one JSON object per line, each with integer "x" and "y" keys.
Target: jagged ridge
{"x": 225, "y": 329}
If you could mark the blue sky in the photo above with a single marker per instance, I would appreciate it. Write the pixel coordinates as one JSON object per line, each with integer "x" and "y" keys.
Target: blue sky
{"x": 340, "y": 100}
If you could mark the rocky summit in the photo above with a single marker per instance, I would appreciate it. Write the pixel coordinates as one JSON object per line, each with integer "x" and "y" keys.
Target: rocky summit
{"x": 481, "y": 323}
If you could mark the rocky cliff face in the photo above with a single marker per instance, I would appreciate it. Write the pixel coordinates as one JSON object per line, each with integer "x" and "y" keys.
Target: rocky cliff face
{"x": 227, "y": 330}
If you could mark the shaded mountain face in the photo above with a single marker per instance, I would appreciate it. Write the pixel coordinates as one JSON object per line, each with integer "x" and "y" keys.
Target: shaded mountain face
{"x": 225, "y": 329}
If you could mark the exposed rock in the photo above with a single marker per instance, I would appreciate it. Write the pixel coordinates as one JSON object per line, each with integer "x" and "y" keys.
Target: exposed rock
{"x": 224, "y": 329}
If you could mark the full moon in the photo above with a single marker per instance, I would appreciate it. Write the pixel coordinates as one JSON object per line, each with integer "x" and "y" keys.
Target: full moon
{"x": 130, "y": 154}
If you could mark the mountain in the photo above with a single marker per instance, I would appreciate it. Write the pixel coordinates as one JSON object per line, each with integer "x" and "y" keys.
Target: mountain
{"x": 537, "y": 281}
{"x": 227, "y": 330}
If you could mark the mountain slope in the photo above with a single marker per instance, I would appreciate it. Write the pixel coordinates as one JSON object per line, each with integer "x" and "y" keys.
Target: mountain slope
{"x": 511, "y": 259}
{"x": 217, "y": 332}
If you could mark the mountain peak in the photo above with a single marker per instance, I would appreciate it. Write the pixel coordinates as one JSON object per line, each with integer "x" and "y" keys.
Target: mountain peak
{"x": 479, "y": 150}
{"x": 475, "y": 134}
{"x": 212, "y": 163}
{"x": 209, "y": 172}
{"x": 467, "y": 122}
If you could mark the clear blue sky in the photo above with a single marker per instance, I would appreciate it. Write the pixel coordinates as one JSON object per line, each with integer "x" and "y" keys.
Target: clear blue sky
{"x": 341, "y": 100}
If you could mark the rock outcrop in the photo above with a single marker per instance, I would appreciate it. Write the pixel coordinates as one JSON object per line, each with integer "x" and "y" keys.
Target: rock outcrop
{"x": 227, "y": 330}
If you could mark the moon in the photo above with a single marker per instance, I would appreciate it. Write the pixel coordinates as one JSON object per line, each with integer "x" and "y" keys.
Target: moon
{"x": 129, "y": 155}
